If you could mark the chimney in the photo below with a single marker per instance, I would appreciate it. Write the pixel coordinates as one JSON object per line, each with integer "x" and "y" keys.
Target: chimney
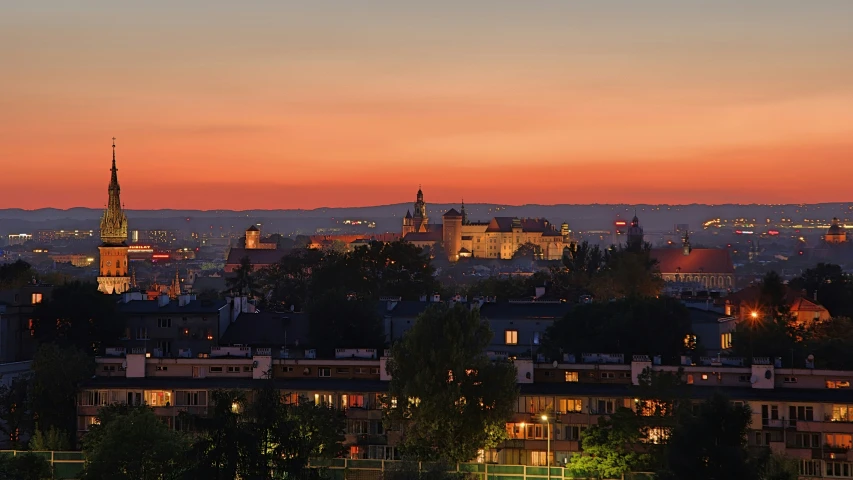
{"x": 162, "y": 300}
{"x": 184, "y": 300}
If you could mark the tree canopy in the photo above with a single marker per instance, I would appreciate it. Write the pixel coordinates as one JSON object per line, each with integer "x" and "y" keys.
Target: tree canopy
{"x": 57, "y": 373}
{"x": 649, "y": 326}
{"x": 261, "y": 436}
{"x": 130, "y": 442}
{"x": 447, "y": 396}
{"x": 609, "y": 447}
{"x": 15, "y": 274}
{"x": 77, "y": 315}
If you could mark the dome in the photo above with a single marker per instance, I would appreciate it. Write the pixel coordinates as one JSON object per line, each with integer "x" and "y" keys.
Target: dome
{"x": 835, "y": 228}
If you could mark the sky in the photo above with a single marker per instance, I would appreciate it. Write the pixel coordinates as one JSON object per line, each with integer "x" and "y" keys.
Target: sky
{"x": 304, "y": 104}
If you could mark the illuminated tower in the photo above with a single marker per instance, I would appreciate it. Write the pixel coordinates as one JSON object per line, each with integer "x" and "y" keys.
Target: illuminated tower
{"x": 452, "y": 234}
{"x": 420, "y": 221}
{"x": 253, "y": 238}
{"x": 113, "y": 266}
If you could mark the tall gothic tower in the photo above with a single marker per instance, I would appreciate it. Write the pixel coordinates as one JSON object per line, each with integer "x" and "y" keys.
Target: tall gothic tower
{"x": 113, "y": 266}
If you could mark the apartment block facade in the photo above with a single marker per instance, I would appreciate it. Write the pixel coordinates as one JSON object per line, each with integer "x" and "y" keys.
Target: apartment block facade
{"x": 806, "y": 414}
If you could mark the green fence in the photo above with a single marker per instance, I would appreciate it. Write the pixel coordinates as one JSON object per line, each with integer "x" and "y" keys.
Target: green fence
{"x": 66, "y": 465}
{"x": 69, "y": 466}
{"x": 344, "y": 469}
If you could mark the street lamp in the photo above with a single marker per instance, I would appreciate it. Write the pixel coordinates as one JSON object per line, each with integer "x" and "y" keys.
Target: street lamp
{"x": 548, "y": 437}
{"x": 754, "y": 318}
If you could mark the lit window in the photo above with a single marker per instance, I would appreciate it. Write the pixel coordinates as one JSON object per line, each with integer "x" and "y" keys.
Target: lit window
{"x": 571, "y": 376}
{"x": 726, "y": 340}
{"x": 37, "y": 297}
{"x": 511, "y": 337}
{"x": 704, "y": 376}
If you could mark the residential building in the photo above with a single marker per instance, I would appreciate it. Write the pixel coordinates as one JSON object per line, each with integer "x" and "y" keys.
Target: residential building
{"x": 804, "y": 413}
{"x": 172, "y": 328}
{"x": 19, "y": 238}
{"x": 747, "y": 304}
{"x": 16, "y": 321}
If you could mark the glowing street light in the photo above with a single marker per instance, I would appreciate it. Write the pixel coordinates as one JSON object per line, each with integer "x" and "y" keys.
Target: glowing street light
{"x": 548, "y": 452}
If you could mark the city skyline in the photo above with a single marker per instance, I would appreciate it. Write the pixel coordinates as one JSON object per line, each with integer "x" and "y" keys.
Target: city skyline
{"x": 290, "y": 106}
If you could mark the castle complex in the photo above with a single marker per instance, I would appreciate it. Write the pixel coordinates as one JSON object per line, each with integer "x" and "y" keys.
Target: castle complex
{"x": 498, "y": 238}
{"x": 113, "y": 269}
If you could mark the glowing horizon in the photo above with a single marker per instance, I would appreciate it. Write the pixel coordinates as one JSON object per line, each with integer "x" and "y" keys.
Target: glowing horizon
{"x": 270, "y": 105}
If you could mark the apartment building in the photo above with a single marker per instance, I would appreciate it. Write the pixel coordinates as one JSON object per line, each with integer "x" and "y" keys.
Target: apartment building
{"x": 804, "y": 413}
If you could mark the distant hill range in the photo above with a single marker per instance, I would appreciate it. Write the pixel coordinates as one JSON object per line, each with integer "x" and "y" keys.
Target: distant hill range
{"x": 389, "y": 217}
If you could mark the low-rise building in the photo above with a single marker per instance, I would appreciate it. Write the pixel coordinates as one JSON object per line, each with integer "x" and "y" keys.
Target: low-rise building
{"x": 804, "y": 413}
{"x": 179, "y": 327}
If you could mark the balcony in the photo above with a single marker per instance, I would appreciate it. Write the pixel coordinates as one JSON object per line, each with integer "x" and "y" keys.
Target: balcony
{"x": 771, "y": 424}
{"x": 370, "y": 439}
{"x": 829, "y": 452}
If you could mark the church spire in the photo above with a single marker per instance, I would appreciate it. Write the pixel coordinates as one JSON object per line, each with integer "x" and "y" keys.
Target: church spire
{"x": 114, "y": 221}
{"x": 464, "y": 215}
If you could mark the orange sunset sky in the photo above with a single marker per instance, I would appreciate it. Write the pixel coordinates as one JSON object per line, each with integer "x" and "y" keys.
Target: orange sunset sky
{"x": 298, "y": 104}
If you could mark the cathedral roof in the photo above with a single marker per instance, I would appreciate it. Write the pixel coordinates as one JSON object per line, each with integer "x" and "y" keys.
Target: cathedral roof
{"x": 253, "y": 229}
{"x": 700, "y": 260}
{"x": 408, "y": 214}
{"x": 452, "y": 213}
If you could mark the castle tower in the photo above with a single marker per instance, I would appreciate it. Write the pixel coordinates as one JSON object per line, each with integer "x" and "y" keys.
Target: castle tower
{"x": 253, "y": 238}
{"x": 452, "y": 234}
{"x": 685, "y": 244}
{"x": 464, "y": 215}
{"x": 408, "y": 223}
{"x": 420, "y": 220}
{"x": 113, "y": 266}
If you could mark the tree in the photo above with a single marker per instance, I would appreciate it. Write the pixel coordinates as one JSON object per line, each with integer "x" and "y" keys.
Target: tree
{"x": 220, "y": 444}
{"x": 628, "y": 272}
{"x": 243, "y": 280}
{"x": 445, "y": 393}
{"x": 52, "y": 440}
{"x": 528, "y": 251}
{"x": 77, "y": 315}
{"x": 341, "y": 320}
{"x": 831, "y": 343}
{"x": 264, "y": 437}
{"x": 287, "y": 282}
{"x": 57, "y": 373}
{"x": 132, "y": 443}
{"x": 633, "y": 326}
{"x": 14, "y": 409}
{"x": 830, "y": 285}
{"x": 24, "y": 466}
{"x": 15, "y": 274}
{"x": 609, "y": 447}
{"x": 711, "y": 445}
